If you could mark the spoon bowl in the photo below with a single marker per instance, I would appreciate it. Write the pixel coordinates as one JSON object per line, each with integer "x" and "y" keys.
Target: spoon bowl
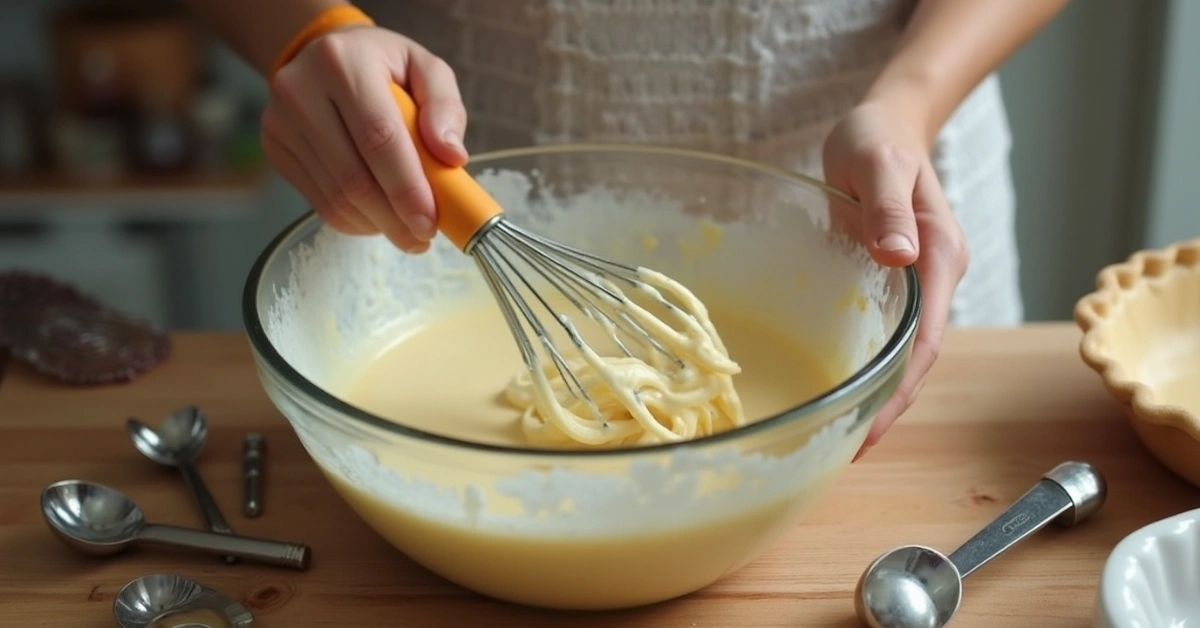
{"x": 91, "y": 518}
{"x": 169, "y": 600}
{"x": 911, "y": 586}
{"x": 179, "y": 438}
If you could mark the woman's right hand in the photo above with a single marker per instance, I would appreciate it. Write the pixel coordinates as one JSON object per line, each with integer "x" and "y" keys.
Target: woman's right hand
{"x": 333, "y": 130}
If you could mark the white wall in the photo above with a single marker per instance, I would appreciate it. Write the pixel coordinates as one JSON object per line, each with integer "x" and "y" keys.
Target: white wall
{"x": 1173, "y": 201}
{"x": 1077, "y": 96}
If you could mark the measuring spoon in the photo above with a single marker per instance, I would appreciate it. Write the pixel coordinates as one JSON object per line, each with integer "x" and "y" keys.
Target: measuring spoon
{"x": 919, "y": 587}
{"x": 100, "y": 521}
{"x": 171, "y": 601}
{"x": 177, "y": 443}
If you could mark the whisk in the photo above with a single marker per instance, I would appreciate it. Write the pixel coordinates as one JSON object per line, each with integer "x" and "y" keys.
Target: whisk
{"x": 524, "y": 269}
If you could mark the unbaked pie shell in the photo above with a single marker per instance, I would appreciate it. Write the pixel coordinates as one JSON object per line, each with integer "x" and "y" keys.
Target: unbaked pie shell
{"x": 1139, "y": 304}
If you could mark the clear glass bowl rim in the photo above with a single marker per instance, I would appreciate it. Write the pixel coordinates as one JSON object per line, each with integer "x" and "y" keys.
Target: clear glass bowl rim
{"x": 866, "y": 377}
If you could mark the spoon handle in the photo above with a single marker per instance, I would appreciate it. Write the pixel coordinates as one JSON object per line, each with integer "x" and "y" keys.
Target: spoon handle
{"x": 265, "y": 551}
{"x": 1067, "y": 494}
{"x": 213, "y": 518}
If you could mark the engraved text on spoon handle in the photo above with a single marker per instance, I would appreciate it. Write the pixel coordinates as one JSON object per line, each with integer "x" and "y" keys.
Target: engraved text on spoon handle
{"x": 1037, "y": 507}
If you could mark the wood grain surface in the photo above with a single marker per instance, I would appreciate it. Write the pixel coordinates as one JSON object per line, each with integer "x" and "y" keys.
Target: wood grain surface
{"x": 1000, "y": 408}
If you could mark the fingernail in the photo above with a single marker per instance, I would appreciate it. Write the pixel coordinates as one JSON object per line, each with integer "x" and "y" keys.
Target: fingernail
{"x": 421, "y": 225}
{"x": 896, "y": 243}
{"x": 452, "y": 138}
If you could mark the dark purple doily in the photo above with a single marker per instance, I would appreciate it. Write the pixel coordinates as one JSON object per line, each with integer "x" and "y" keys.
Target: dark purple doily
{"x": 68, "y": 335}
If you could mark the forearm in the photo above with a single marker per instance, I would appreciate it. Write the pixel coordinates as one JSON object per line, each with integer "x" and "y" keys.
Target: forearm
{"x": 948, "y": 47}
{"x": 259, "y": 29}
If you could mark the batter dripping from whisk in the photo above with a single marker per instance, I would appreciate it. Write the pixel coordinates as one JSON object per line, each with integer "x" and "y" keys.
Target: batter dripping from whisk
{"x": 679, "y": 388}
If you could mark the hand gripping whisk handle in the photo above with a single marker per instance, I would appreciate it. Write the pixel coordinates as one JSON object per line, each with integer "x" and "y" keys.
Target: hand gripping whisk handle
{"x": 463, "y": 205}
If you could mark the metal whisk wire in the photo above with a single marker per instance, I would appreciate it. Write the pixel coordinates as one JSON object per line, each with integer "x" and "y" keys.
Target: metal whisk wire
{"x": 588, "y": 282}
{"x": 475, "y": 222}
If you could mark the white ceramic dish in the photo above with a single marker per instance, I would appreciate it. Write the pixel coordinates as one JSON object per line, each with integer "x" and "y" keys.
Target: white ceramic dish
{"x": 1152, "y": 577}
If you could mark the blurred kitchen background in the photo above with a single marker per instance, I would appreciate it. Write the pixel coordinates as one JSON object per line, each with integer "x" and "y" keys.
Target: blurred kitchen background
{"x": 161, "y": 206}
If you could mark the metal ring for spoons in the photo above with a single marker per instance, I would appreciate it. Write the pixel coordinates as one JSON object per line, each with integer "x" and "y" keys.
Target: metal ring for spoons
{"x": 100, "y": 521}
{"x": 171, "y": 601}
{"x": 919, "y": 587}
{"x": 177, "y": 443}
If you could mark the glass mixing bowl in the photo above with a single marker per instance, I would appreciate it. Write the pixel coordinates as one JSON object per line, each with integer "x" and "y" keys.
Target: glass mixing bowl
{"x": 592, "y": 529}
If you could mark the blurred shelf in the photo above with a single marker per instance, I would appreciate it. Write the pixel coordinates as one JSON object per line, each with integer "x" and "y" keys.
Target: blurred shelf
{"x": 182, "y": 196}
{"x": 179, "y": 183}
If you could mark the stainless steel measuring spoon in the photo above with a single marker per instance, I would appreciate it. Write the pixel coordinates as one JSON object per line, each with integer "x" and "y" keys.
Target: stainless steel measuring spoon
{"x": 177, "y": 443}
{"x": 100, "y": 521}
{"x": 919, "y": 587}
{"x": 172, "y": 601}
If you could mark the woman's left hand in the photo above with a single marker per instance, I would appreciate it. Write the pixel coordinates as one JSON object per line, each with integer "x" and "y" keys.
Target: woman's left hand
{"x": 879, "y": 154}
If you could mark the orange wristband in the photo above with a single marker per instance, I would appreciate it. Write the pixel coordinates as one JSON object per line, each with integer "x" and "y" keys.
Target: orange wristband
{"x": 325, "y": 21}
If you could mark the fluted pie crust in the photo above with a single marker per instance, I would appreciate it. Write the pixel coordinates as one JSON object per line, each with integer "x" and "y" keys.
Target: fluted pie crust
{"x": 1141, "y": 329}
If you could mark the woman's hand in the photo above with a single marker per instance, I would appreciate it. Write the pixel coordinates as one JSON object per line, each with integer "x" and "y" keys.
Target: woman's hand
{"x": 879, "y": 153}
{"x": 333, "y": 130}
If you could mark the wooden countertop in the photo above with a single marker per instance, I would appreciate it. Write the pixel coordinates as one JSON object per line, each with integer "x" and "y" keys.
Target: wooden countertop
{"x": 1000, "y": 408}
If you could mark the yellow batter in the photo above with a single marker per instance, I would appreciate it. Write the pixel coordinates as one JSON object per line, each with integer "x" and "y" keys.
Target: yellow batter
{"x": 450, "y": 378}
{"x": 455, "y": 377}
{"x": 584, "y": 571}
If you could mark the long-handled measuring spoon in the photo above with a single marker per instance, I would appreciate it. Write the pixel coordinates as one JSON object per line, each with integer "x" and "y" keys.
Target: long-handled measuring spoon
{"x": 100, "y": 521}
{"x": 919, "y": 587}
{"x": 177, "y": 443}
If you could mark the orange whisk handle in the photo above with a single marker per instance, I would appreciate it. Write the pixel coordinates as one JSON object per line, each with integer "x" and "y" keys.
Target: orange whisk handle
{"x": 463, "y": 205}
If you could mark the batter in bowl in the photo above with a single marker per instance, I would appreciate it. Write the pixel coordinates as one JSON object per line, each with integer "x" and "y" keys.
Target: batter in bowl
{"x": 450, "y": 377}
{"x": 455, "y": 377}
